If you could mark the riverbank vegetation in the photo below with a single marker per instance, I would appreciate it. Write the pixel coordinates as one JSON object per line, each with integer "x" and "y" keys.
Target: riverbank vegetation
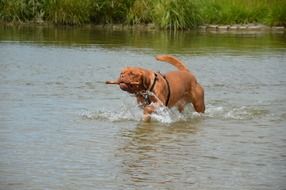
{"x": 166, "y": 14}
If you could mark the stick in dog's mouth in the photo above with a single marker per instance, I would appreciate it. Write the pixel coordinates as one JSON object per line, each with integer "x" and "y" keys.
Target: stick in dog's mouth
{"x": 112, "y": 82}
{"x": 118, "y": 83}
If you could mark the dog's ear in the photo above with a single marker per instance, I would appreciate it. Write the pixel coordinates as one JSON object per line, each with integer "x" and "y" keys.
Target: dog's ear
{"x": 136, "y": 75}
{"x": 146, "y": 81}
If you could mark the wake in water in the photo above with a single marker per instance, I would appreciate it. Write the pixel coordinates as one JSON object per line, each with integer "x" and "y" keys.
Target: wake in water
{"x": 165, "y": 115}
{"x": 234, "y": 113}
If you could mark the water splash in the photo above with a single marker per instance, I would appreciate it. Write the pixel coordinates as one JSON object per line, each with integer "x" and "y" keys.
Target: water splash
{"x": 126, "y": 113}
{"x": 165, "y": 115}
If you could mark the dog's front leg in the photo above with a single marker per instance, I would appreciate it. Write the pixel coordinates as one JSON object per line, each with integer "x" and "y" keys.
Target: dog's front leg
{"x": 148, "y": 110}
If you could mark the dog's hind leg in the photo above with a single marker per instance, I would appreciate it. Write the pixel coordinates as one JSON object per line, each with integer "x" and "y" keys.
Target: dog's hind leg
{"x": 198, "y": 99}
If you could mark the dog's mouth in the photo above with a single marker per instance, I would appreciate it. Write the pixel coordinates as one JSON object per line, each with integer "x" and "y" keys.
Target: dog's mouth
{"x": 123, "y": 86}
{"x": 131, "y": 87}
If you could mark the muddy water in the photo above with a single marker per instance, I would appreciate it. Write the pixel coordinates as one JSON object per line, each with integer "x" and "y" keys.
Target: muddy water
{"x": 61, "y": 127}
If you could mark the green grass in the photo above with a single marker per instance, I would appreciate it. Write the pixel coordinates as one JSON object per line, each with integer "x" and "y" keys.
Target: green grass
{"x": 166, "y": 14}
{"x": 271, "y": 12}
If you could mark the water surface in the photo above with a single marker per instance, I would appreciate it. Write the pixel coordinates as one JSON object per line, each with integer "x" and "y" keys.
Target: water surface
{"x": 61, "y": 127}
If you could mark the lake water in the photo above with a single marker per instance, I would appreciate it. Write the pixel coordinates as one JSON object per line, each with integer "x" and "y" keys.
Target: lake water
{"x": 62, "y": 128}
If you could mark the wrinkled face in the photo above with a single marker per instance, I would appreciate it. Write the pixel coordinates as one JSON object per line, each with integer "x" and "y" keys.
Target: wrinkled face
{"x": 132, "y": 80}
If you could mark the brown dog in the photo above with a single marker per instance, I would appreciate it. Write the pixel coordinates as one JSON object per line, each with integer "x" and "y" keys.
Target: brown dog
{"x": 176, "y": 88}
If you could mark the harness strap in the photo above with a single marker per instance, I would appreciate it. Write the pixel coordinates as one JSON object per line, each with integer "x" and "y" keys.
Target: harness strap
{"x": 169, "y": 91}
{"x": 154, "y": 82}
{"x": 147, "y": 95}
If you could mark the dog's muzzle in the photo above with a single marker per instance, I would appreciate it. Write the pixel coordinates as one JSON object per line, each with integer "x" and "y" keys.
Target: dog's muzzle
{"x": 129, "y": 87}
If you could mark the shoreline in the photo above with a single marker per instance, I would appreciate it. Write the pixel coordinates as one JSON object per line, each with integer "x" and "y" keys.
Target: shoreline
{"x": 242, "y": 27}
{"x": 213, "y": 28}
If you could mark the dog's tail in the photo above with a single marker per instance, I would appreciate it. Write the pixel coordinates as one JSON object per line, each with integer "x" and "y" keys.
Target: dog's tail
{"x": 173, "y": 60}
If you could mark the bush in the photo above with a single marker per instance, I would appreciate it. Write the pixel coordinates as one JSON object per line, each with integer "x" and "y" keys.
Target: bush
{"x": 277, "y": 14}
{"x": 140, "y": 12}
{"x": 68, "y": 11}
{"x": 21, "y": 10}
{"x": 111, "y": 11}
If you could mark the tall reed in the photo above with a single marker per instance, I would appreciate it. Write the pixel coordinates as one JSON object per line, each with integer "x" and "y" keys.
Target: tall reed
{"x": 175, "y": 14}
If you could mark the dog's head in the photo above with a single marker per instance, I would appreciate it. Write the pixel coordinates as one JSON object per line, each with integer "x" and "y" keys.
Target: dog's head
{"x": 132, "y": 79}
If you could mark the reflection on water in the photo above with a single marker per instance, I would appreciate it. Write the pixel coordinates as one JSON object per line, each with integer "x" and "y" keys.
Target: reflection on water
{"x": 147, "y": 162}
{"x": 180, "y": 42}
{"x": 61, "y": 127}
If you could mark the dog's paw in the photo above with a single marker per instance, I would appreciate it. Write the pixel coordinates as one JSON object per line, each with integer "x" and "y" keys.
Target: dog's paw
{"x": 146, "y": 117}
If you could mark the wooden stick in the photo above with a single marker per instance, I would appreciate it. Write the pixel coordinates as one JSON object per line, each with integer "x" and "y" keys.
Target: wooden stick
{"x": 117, "y": 82}
{"x": 112, "y": 82}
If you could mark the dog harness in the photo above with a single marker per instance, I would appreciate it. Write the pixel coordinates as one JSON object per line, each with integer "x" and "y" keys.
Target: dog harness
{"x": 150, "y": 92}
